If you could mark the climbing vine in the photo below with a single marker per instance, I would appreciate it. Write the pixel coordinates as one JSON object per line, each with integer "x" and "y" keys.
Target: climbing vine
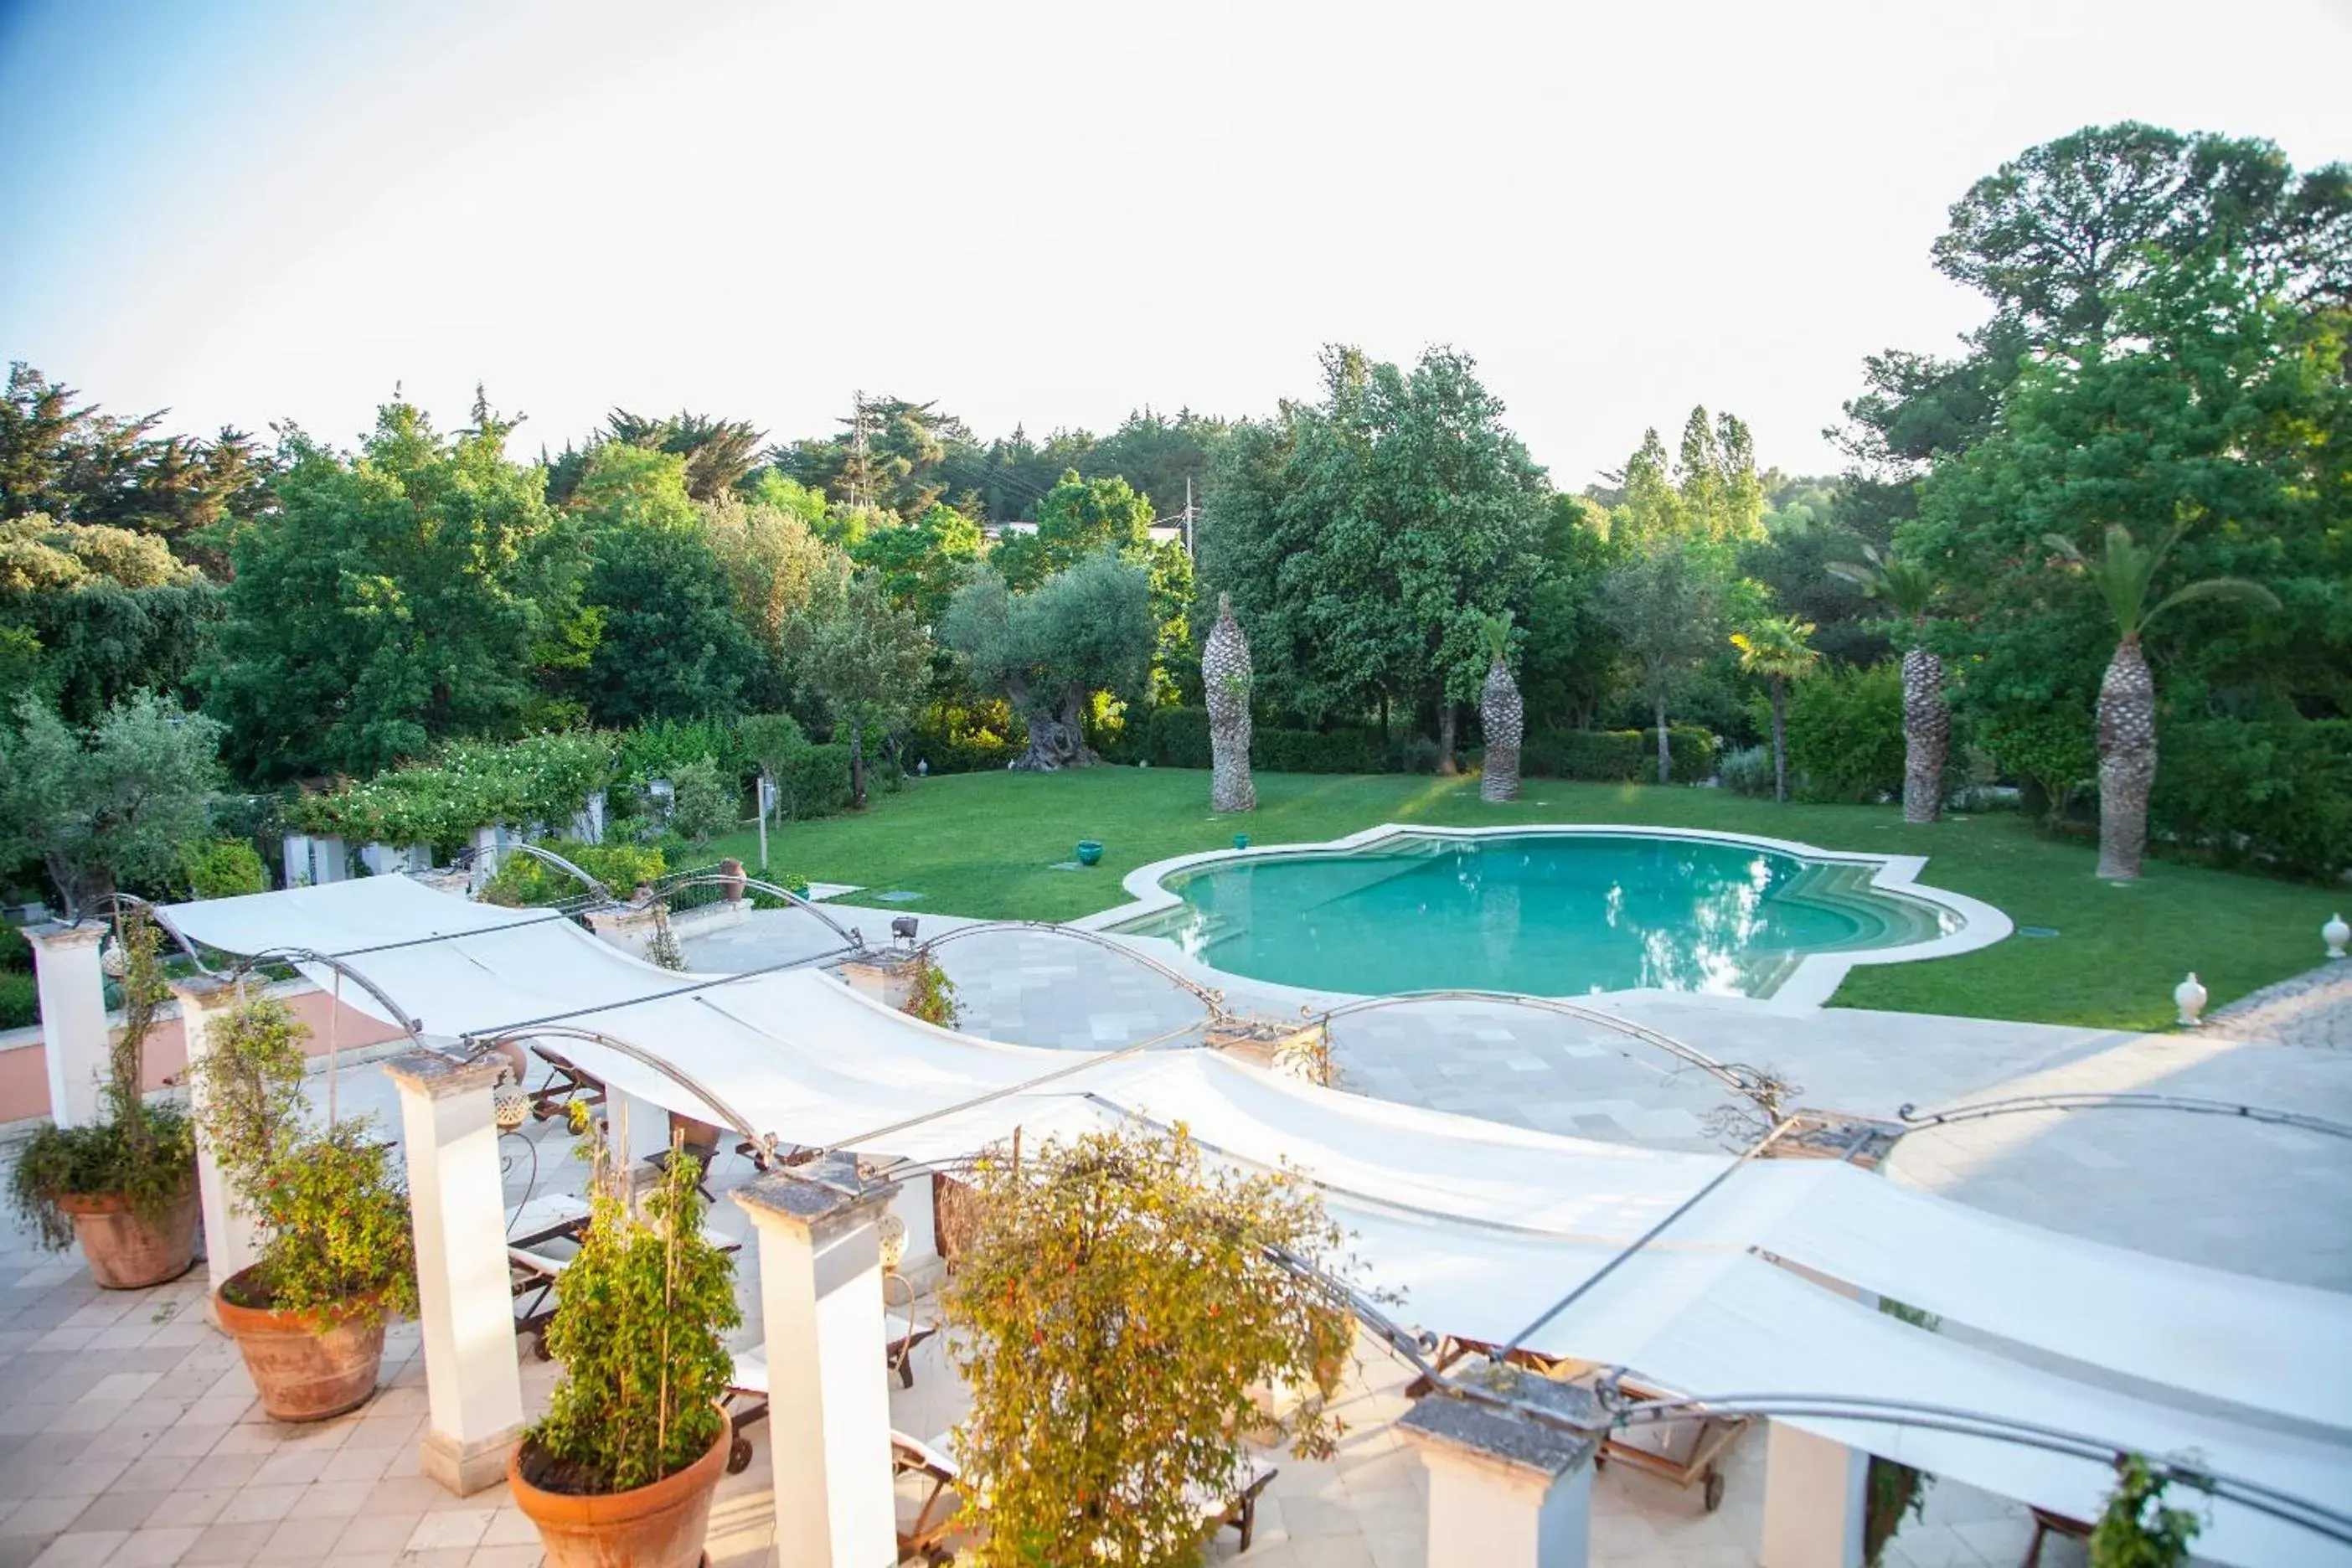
{"x": 2137, "y": 1531}
{"x": 931, "y": 996}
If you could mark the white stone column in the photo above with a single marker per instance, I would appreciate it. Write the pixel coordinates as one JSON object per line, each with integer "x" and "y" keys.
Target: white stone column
{"x": 298, "y": 859}
{"x": 1813, "y": 1497}
{"x": 473, "y": 1383}
{"x": 74, "y": 1035}
{"x": 330, "y": 859}
{"x": 828, "y": 1392}
{"x": 230, "y": 1242}
{"x": 1507, "y": 1490}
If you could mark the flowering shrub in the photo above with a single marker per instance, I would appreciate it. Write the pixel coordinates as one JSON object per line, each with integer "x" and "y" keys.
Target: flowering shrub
{"x": 546, "y": 778}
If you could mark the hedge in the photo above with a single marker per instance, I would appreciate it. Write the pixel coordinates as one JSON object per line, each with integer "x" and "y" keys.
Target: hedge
{"x": 814, "y": 780}
{"x": 2246, "y": 790}
{"x": 1846, "y": 733}
{"x": 1618, "y": 756}
{"x": 524, "y": 881}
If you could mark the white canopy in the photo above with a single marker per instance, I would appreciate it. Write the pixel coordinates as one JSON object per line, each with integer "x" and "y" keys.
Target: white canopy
{"x": 1480, "y": 1227}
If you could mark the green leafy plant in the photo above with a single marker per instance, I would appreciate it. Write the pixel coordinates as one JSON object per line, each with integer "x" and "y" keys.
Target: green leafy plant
{"x": 524, "y": 881}
{"x": 2136, "y": 1529}
{"x": 704, "y": 800}
{"x": 333, "y": 1216}
{"x": 1118, "y": 1302}
{"x": 222, "y": 869}
{"x": 1894, "y": 1492}
{"x": 640, "y": 1313}
{"x": 1845, "y": 734}
{"x": 543, "y": 779}
{"x": 145, "y": 1155}
{"x": 932, "y": 995}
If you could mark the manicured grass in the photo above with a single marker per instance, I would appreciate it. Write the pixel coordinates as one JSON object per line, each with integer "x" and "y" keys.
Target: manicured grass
{"x": 985, "y": 844}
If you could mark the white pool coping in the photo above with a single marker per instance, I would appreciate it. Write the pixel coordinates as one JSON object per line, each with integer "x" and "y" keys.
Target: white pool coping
{"x": 1815, "y": 979}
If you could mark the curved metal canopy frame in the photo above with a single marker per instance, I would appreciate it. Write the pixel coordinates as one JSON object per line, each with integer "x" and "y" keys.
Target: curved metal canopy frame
{"x": 763, "y": 1142}
{"x": 1213, "y": 1000}
{"x": 247, "y": 963}
{"x": 606, "y": 896}
{"x": 1915, "y": 1119}
{"x": 1737, "y": 1077}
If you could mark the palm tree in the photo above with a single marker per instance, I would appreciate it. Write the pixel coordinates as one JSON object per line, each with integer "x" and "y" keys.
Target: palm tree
{"x": 1502, "y": 715}
{"x": 1225, "y": 673}
{"x": 2123, "y": 573}
{"x": 1909, "y": 589}
{"x": 1777, "y": 650}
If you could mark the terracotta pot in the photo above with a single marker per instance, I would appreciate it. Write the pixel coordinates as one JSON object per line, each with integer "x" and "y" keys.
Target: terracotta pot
{"x": 657, "y": 1526}
{"x": 127, "y": 1250}
{"x": 304, "y": 1373}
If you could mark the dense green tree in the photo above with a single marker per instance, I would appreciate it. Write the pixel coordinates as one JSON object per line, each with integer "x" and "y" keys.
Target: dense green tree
{"x": 110, "y": 807}
{"x": 1157, "y": 455}
{"x": 2217, "y": 408}
{"x": 1049, "y": 650}
{"x": 1076, "y": 519}
{"x": 672, "y": 646}
{"x": 773, "y": 555}
{"x": 923, "y": 562}
{"x": 1667, "y": 602}
{"x": 1712, "y": 490}
{"x": 1779, "y": 648}
{"x": 865, "y": 658}
{"x": 1568, "y": 661}
{"x": 1365, "y": 539}
{"x": 890, "y": 454}
{"x": 400, "y": 597}
{"x": 719, "y": 454}
{"x": 76, "y": 464}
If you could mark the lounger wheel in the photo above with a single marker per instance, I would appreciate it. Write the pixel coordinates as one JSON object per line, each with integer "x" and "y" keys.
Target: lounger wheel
{"x": 739, "y": 1456}
{"x": 1712, "y": 1491}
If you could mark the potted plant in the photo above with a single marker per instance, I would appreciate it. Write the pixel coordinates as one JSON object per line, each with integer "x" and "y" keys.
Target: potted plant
{"x": 125, "y": 1186}
{"x": 338, "y": 1256}
{"x": 622, "y": 1468}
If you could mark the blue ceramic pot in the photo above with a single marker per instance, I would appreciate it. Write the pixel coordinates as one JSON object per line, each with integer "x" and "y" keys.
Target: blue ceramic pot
{"x": 1090, "y": 851}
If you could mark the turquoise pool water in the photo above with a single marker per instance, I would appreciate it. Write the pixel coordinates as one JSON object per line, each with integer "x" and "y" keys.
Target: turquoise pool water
{"x": 1550, "y": 915}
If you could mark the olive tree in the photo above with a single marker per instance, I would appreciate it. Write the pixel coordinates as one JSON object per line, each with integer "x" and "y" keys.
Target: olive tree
{"x": 109, "y": 804}
{"x": 1050, "y": 649}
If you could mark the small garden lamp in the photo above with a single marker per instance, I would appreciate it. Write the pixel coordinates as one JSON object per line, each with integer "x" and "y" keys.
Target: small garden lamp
{"x": 2336, "y": 933}
{"x": 902, "y": 930}
{"x": 2190, "y": 997}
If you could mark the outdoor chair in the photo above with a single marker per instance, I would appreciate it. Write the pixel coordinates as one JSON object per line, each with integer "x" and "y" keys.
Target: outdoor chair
{"x": 565, "y": 1083}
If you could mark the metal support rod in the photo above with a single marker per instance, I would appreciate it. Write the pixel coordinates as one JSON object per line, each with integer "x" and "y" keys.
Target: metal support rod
{"x": 2072, "y": 1101}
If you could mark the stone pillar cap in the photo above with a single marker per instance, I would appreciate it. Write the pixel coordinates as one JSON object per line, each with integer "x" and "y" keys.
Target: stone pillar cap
{"x": 438, "y": 1076}
{"x": 826, "y": 1195}
{"x": 205, "y": 990}
{"x": 57, "y": 933}
{"x": 1511, "y": 1438}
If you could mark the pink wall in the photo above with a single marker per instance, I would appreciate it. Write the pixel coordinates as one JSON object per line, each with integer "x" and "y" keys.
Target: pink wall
{"x": 24, "y": 1074}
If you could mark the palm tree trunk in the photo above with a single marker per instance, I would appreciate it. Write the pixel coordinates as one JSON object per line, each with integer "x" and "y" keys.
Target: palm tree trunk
{"x": 1666, "y": 753}
{"x": 1926, "y": 735}
{"x": 1446, "y": 731}
{"x": 1780, "y": 741}
{"x": 2126, "y": 761}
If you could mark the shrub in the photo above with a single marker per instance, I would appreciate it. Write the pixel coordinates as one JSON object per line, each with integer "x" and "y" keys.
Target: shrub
{"x": 1315, "y": 751}
{"x": 1124, "y": 1276}
{"x": 522, "y": 882}
{"x": 224, "y": 868}
{"x": 659, "y": 748}
{"x": 1180, "y": 738}
{"x": 1417, "y": 754}
{"x": 2051, "y": 754}
{"x": 20, "y": 1001}
{"x": 978, "y": 737}
{"x": 15, "y": 953}
{"x": 815, "y": 782}
{"x": 333, "y": 1214}
{"x": 639, "y": 1312}
{"x": 1618, "y": 756}
{"x": 2245, "y": 790}
{"x": 544, "y": 779}
{"x": 704, "y": 802}
{"x": 1846, "y": 733}
{"x": 1748, "y": 771}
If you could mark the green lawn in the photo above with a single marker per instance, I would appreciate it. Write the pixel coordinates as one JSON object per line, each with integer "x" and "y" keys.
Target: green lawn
{"x": 985, "y": 844}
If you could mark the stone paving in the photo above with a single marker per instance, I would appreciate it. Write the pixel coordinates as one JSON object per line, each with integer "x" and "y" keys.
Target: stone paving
{"x": 129, "y": 1433}
{"x": 2314, "y": 1009}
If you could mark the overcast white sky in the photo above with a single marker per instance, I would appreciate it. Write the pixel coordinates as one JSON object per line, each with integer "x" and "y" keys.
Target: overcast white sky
{"x": 253, "y": 210}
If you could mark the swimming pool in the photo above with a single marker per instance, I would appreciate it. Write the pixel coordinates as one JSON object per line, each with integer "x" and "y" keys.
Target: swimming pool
{"x": 1558, "y": 914}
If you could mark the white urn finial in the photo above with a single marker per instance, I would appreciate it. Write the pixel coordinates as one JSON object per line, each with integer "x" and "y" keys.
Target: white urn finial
{"x": 2336, "y": 933}
{"x": 2190, "y": 997}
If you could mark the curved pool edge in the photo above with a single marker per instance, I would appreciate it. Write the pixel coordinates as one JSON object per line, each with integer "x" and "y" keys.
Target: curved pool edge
{"x": 1813, "y": 983}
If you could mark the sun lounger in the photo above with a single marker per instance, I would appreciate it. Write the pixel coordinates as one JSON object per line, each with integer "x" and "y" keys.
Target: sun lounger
{"x": 565, "y": 1083}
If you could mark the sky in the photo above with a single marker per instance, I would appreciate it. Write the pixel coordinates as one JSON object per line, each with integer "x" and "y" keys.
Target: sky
{"x": 253, "y": 211}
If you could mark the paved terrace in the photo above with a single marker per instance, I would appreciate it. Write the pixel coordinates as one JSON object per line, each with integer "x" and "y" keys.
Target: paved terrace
{"x": 129, "y": 1433}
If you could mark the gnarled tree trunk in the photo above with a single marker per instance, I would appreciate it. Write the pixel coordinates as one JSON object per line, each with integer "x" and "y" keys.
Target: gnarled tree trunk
{"x": 1926, "y": 735}
{"x": 1057, "y": 730}
{"x": 1225, "y": 673}
{"x": 1446, "y": 719}
{"x": 1503, "y": 714}
{"x": 1665, "y": 751}
{"x": 2126, "y": 761}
